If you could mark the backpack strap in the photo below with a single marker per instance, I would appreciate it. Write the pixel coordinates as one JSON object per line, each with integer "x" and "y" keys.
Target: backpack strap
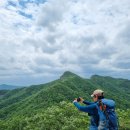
{"x": 103, "y": 107}
{"x": 103, "y": 115}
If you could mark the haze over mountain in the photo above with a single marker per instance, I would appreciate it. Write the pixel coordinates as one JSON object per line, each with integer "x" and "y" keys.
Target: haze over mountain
{"x": 8, "y": 87}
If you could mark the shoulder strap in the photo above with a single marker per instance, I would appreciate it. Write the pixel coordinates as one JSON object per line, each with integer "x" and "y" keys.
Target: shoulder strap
{"x": 103, "y": 108}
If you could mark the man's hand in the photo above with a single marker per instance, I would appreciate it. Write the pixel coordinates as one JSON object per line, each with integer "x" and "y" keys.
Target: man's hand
{"x": 81, "y": 100}
{"x": 75, "y": 100}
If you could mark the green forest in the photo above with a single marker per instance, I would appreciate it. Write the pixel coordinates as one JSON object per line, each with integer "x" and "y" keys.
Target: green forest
{"x": 49, "y": 106}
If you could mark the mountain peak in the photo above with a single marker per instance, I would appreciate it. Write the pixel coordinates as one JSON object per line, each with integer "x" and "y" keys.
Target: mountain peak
{"x": 68, "y": 74}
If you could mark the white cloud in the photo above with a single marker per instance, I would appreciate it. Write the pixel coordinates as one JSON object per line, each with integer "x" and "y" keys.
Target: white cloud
{"x": 45, "y": 39}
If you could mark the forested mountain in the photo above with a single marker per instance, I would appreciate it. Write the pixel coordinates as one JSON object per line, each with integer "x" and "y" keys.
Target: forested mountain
{"x": 49, "y": 106}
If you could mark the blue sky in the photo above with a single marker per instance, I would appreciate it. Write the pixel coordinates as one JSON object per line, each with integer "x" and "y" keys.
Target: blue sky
{"x": 40, "y": 39}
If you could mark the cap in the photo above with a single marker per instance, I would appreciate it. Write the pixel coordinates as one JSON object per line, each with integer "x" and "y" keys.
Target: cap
{"x": 98, "y": 92}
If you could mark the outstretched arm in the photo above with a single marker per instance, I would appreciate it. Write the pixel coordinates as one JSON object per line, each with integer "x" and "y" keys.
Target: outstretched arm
{"x": 87, "y": 102}
{"x": 88, "y": 109}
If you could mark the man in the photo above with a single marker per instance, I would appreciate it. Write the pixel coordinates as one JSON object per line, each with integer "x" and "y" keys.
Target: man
{"x": 98, "y": 111}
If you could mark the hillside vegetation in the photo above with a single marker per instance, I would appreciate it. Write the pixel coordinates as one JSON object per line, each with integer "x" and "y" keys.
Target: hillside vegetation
{"x": 49, "y": 106}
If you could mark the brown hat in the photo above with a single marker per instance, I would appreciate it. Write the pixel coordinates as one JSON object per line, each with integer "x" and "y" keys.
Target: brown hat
{"x": 98, "y": 92}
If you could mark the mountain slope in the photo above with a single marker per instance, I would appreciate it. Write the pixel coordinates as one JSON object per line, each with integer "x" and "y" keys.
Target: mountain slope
{"x": 26, "y": 102}
{"x": 43, "y": 96}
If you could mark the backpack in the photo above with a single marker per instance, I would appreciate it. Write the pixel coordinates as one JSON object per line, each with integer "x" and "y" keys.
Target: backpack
{"x": 107, "y": 116}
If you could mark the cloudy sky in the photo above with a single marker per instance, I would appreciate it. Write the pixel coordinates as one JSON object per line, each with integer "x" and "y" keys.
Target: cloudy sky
{"x": 40, "y": 39}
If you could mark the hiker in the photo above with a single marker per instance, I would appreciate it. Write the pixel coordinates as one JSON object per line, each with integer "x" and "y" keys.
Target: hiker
{"x": 101, "y": 111}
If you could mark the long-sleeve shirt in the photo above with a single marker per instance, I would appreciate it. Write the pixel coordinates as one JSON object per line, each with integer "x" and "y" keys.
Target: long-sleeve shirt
{"x": 91, "y": 107}
{"x": 92, "y": 111}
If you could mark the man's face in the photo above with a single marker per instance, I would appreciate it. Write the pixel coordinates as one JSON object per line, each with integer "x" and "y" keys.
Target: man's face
{"x": 95, "y": 98}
